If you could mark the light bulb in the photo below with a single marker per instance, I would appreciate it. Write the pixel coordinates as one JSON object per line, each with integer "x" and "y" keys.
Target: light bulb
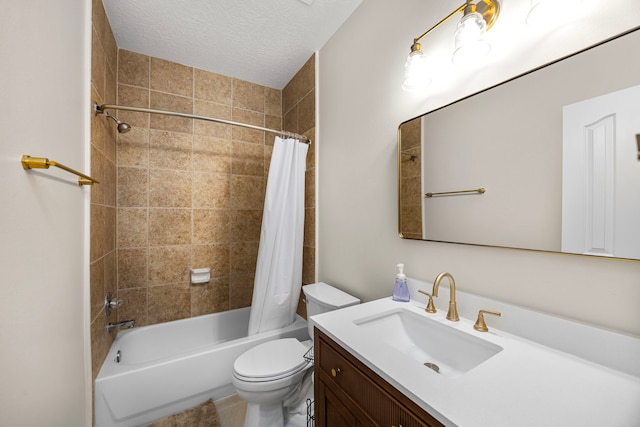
{"x": 415, "y": 72}
{"x": 470, "y": 42}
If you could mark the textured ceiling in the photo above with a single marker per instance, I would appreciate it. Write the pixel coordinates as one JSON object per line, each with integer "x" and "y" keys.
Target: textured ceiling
{"x": 261, "y": 41}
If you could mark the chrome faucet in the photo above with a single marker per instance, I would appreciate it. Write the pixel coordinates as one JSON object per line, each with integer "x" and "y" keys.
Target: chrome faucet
{"x": 121, "y": 325}
{"x": 452, "y": 314}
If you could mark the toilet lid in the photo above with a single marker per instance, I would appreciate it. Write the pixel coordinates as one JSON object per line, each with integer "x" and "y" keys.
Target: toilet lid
{"x": 273, "y": 358}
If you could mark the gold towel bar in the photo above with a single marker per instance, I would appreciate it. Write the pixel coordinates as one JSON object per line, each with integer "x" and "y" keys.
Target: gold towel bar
{"x": 444, "y": 193}
{"x": 29, "y": 162}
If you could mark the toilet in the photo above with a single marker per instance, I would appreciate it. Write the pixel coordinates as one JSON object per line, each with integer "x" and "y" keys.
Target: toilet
{"x": 275, "y": 374}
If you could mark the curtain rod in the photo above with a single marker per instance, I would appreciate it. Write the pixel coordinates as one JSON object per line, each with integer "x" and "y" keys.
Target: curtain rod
{"x": 100, "y": 109}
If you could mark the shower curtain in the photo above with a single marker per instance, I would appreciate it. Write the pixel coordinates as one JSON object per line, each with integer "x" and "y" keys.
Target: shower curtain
{"x": 278, "y": 279}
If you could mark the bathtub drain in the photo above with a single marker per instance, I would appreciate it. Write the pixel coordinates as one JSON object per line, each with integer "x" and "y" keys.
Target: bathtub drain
{"x": 432, "y": 366}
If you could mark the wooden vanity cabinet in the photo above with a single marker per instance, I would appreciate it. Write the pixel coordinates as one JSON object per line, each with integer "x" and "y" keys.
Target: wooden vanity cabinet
{"x": 348, "y": 393}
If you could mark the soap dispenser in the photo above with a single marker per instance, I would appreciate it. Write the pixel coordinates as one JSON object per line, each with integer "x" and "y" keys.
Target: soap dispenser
{"x": 400, "y": 289}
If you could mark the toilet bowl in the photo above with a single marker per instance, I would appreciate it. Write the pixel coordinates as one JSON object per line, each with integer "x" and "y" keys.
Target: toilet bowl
{"x": 275, "y": 372}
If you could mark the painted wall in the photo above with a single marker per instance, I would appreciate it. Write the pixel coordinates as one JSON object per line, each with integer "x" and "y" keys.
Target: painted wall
{"x": 361, "y": 104}
{"x": 44, "y": 356}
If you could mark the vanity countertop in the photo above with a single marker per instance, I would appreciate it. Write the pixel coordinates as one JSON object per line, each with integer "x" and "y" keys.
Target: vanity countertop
{"x": 525, "y": 384}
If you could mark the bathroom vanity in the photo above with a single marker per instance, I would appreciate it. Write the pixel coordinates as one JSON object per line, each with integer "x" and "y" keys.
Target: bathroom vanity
{"x": 386, "y": 363}
{"x": 348, "y": 394}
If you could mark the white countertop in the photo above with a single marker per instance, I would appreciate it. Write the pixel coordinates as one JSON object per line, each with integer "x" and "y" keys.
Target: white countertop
{"x": 525, "y": 384}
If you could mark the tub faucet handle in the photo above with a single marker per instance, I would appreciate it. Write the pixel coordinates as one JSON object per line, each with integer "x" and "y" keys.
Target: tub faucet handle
{"x": 110, "y": 302}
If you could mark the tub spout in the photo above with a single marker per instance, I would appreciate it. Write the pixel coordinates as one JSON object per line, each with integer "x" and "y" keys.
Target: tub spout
{"x": 121, "y": 325}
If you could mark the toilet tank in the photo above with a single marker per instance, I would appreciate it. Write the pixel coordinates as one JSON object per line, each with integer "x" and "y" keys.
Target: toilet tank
{"x": 321, "y": 298}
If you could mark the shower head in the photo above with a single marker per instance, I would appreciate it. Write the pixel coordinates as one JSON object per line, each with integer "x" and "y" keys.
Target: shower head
{"x": 122, "y": 127}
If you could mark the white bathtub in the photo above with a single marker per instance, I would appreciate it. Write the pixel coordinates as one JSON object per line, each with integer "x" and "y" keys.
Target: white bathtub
{"x": 169, "y": 367}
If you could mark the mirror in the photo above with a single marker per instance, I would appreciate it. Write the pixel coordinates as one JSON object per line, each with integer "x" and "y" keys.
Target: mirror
{"x": 547, "y": 161}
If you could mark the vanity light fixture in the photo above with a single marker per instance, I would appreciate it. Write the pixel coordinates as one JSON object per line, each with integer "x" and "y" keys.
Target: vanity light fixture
{"x": 469, "y": 39}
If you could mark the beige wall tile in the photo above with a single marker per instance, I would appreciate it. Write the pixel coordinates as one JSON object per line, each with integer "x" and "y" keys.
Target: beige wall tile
{"x": 98, "y": 17}
{"x": 96, "y": 277}
{"x": 310, "y": 189}
{"x": 170, "y": 188}
{"x": 308, "y": 265}
{"x": 97, "y": 234}
{"x": 215, "y": 257}
{"x": 168, "y": 102}
{"x": 98, "y": 65}
{"x": 272, "y": 102}
{"x": 216, "y": 111}
{"x": 272, "y": 122}
{"x": 132, "y": 268}
{"x": 248, "y": 96}
{"x": 211, "y": 190}
{"x": 133, "y": 68}
{"x": 170, "y": 150}
{"x": 170, "y": 77}
{"x": 133, "y": 187}
{"x": 311, "y": 154}
{"x": 133, "y": 148}
{"x": 310, "y": 227}
{"x": 247, "y": 159}
{"x": 247, "y": 192}
{"x": 290, "y": 121}
{"x": 132, "y": 96}
{"x": 100, "y": 344}
{"x": 134, "y": 306}
{"x": 240, "y": 291}
{"x": 110, "y": 48}
{"x": 210, "y": 226}
{"x": 110, "y": 273}
{"x": 245, "y": 134}
{"x": 169, "y": 302}
{"x": 169, "y": 264}
{"x": 300, "y": 85}
{"x": 211, "y": 154}
{"x": 110, "y": 87}
{"x": 110, "y": 226}
{"x": 211, "y": 297}
{"x": 169, "y": 227}
{"x": 307, "y": 112}
{"x": 212, "y": 87}
{"x": 246, "y": 225}
{"x": 132, "y": 228}
{"x": 243, "y": 257}
{"x": 97, "y": 171}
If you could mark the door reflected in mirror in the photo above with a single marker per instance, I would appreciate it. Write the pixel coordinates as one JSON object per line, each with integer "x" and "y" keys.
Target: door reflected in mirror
{"x": 555, "y": 151}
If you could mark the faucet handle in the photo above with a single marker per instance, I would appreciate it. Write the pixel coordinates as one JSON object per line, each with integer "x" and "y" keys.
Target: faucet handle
{"x": 430, "y": 308}
{"x": 480, "y": 323}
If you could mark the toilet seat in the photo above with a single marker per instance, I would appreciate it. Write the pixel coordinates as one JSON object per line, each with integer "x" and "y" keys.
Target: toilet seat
{"x": 271, "y": 361}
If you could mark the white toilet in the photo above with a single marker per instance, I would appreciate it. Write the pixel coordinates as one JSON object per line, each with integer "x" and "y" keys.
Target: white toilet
{"x": 275, "y": 374}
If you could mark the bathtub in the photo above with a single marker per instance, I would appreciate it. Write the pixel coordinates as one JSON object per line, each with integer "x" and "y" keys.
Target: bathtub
{"x": 169, "y": 367}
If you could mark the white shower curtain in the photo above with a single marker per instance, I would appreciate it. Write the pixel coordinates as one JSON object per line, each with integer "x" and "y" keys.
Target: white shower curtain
{"x": 278, "y": 277}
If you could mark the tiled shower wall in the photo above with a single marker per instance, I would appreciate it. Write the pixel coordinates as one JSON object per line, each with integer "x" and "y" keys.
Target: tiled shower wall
{"x": 411, "y": 165}
{"x": 299, "y": 111}
{"x": 190, "y": 193}
{"x": 103, "y": 195}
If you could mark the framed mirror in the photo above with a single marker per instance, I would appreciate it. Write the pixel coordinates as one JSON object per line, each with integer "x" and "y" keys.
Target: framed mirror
{"x": 548, "y": 160}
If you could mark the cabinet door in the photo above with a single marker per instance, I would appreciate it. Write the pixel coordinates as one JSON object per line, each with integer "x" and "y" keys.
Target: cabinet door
{"x": 330, "y": 412}
{"x": 362, "y": 394}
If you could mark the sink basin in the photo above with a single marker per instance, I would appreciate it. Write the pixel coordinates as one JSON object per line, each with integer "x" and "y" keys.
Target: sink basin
{"x": 444, "y": 349}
